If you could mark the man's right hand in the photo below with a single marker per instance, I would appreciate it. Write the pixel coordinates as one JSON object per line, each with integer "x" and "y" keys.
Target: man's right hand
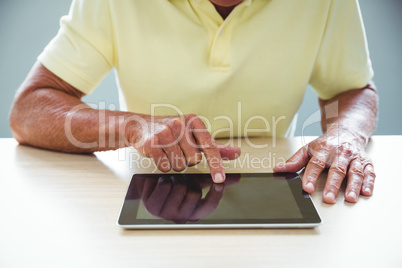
{"x": 48, "y": 113}
{"x": 175, "y": 142}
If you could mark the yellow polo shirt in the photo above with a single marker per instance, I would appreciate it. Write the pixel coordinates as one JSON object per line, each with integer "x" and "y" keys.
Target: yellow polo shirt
{"x": 245, "y": 75}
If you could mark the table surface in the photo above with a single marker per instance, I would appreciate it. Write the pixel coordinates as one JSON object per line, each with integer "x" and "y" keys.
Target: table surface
{"x": 60, "y": 210}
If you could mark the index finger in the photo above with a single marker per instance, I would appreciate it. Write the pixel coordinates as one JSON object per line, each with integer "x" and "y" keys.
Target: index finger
{"x": 210, "y": 149}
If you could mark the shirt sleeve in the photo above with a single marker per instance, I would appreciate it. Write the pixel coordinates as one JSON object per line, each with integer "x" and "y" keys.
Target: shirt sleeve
{"x": 82, "y": 52}
{"x": 343, "y": 61}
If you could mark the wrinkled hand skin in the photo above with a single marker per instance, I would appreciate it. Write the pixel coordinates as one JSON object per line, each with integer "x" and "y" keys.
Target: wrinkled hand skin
{"x": 176, "y": 142}
{"x": 345, "y": 157}
{"x": 44, "y": 102}
{"x": 340, "y": 148}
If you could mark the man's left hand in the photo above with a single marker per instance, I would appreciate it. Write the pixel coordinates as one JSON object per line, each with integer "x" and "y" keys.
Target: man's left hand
{"x": 343, "y": 153}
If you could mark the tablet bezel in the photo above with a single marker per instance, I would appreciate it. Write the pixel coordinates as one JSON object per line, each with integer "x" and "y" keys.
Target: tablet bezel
{"x": 311, "y": 217}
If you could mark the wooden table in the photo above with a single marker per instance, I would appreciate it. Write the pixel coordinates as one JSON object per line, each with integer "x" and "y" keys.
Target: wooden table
{"x": 60, "y": 210}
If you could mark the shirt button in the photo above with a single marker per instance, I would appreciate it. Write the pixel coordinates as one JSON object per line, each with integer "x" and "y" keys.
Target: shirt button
{"x": 222, "y": 32}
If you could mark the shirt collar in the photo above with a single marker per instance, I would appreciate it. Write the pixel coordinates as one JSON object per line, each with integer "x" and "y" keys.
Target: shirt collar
{"x": 245, "y": 2}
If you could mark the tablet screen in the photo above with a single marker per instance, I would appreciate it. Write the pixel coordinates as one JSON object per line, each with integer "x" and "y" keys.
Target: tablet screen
{"x": 191, "y": 200}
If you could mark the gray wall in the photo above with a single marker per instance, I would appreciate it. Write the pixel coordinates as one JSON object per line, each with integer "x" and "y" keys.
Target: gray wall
{"x": 26, "y": 27}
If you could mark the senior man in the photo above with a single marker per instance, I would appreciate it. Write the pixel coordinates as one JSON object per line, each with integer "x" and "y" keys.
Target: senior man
{"x": 207, "y": 59}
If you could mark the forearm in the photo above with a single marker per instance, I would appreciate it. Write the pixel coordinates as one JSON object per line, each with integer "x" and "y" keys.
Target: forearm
{"x": 53, "y": 119}
{"x": 354, "y": 110}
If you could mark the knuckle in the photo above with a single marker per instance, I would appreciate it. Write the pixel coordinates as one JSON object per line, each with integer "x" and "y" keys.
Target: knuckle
{"x": 338, "y": 169}
{"x": 166, "y": 137}
{"x": 215, "y": 163}
{"x": 368, "y": 166}
{"x": 345, "y": 145}
{"x": 366, "y": 162}
{"x": 356, "y": 171}
{"x": 318, "y": 163}
{"x": 369, "y": 183}
{"x": 346, "y": 149}
{"x": 354, "y": 187}
{"x": 160, "y": 130}
{"x": 369, "y": 171}
{"x": 191, "y": 116}
{"x": 324, "y": 145}
{"x": 208, "y": 144}
{"x": 177, "y": 123}
{"x": 371, "y": 174}
{"x": 318, "y": 147}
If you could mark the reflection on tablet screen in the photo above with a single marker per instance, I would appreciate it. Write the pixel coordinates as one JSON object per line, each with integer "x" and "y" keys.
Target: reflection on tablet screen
{"x": 192, "y": 198}
{"x": 242, "y": 201}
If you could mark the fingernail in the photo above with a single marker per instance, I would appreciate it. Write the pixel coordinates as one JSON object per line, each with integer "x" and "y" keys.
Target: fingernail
{"x": 278, "y": 168}
{"x": 310, "y": 186}
{"x": 353, "y": 195}
{"x": 367, "y": 190}
{"x": 330, "y": 195}
{"x": 218, "y": 178}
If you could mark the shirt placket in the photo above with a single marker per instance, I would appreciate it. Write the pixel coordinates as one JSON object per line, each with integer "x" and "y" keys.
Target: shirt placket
{"x": 220, "y": 33}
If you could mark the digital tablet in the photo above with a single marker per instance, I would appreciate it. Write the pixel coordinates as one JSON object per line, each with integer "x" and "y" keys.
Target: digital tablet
{"x": 162, "y": 201}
